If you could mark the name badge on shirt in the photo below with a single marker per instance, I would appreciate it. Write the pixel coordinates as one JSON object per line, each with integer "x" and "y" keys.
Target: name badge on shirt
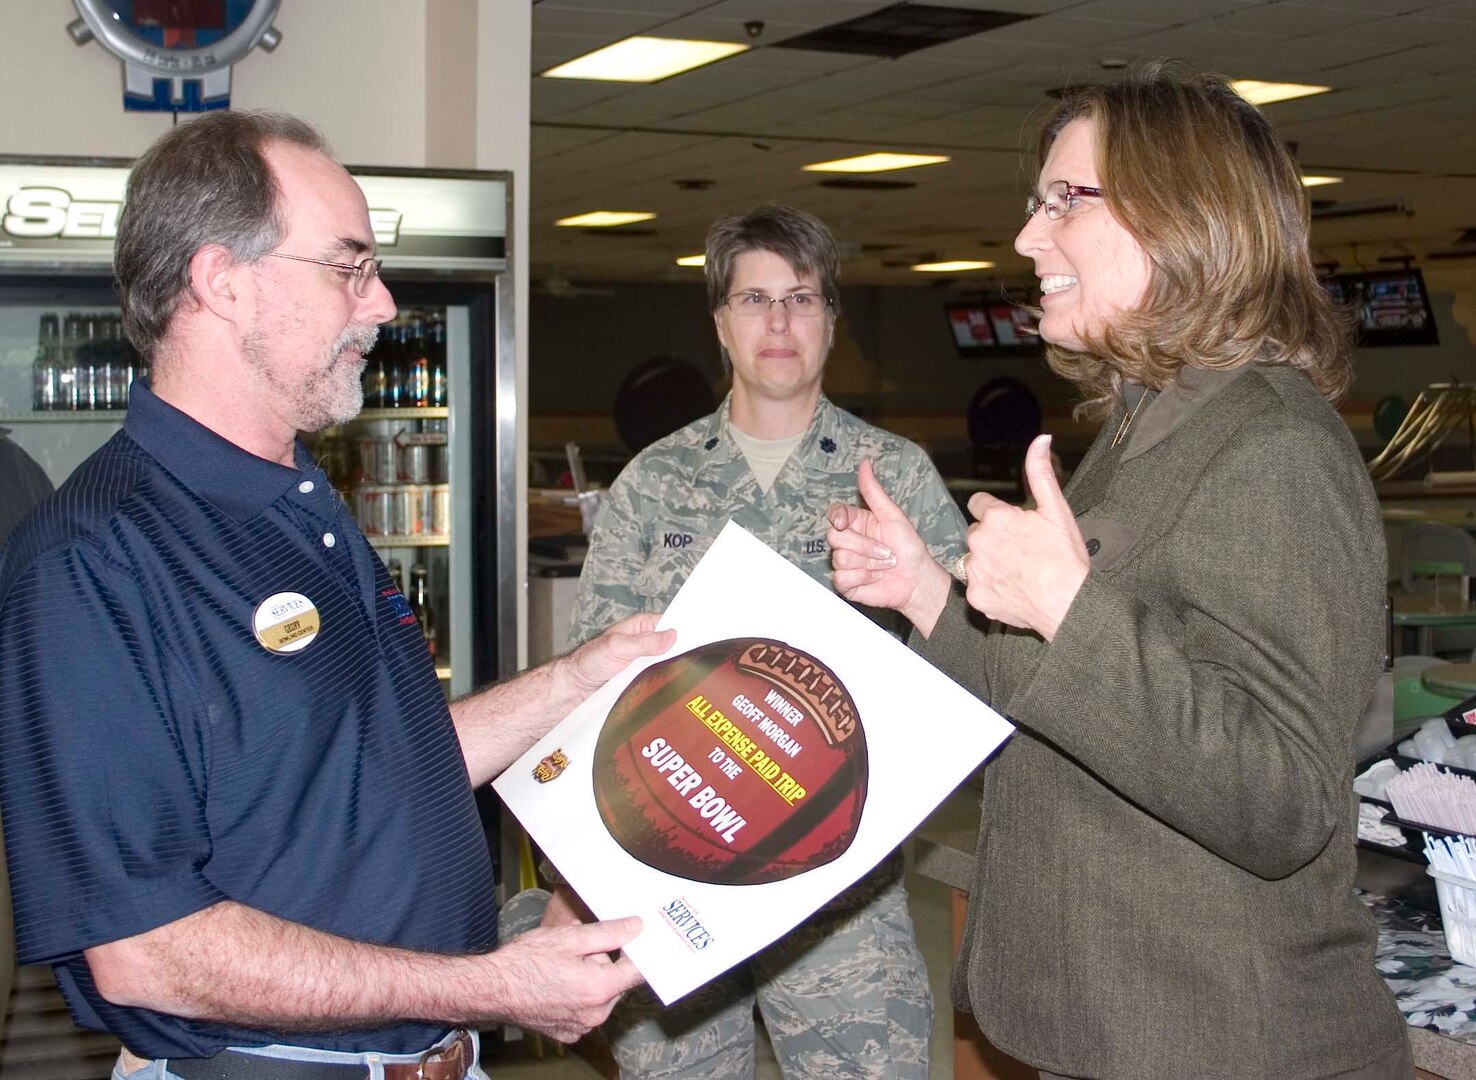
{"x": 285, "y": 622}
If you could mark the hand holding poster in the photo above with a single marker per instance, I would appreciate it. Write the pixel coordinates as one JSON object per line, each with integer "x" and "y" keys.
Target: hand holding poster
{"x": 725, "y": 791}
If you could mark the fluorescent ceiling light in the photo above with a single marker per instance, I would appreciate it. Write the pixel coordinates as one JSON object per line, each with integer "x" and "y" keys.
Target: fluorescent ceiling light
{"x": 643, "y": 59}
{"x": 953, "y": 266}
{"x": 1319, "y": 181}
{"x": 879, "y": 162}
{"x": 605, "y": 219}
{"x": 692, "y": 260}
{"x": 1264, "y": 93}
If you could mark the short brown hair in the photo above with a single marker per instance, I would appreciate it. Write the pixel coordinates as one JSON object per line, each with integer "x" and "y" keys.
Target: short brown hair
{"x": 799, "y": 238}
{"x": 1198, "y": 176}
{"x": 203, "y": 182}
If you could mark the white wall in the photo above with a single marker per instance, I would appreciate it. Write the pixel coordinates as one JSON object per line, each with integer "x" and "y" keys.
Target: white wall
{"x": 356, "y": 68}
{"x": 504, "y": 106}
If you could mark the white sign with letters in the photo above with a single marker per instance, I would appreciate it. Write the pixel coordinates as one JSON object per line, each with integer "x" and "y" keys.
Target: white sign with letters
{"x": 724, "y": 791}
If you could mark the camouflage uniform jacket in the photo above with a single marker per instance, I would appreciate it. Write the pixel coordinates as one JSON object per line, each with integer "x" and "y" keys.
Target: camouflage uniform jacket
{"x": 668, "y": 505}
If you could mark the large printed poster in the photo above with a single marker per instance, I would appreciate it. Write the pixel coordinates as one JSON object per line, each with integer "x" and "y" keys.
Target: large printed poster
{"x": 724, "y": 791}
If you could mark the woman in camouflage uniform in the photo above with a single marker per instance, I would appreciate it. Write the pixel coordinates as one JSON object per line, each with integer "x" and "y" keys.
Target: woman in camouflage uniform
{"x": 845, "y": 993}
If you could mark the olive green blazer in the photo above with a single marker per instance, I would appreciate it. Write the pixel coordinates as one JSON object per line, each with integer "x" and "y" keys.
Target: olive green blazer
{"x": 1163, "y": 884}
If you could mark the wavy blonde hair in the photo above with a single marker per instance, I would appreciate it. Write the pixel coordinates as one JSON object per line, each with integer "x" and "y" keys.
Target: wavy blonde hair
{"x": 1200, "y": 179}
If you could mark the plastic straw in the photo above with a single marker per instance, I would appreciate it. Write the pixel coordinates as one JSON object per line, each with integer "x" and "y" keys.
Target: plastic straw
{"x": 1452, "y": 854}
{"x": 1427, "y": 794}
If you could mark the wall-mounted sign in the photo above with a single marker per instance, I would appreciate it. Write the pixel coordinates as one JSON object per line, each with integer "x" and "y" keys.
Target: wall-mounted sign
{"x": 68, "y": 213}
{"x": 176, "y": 54}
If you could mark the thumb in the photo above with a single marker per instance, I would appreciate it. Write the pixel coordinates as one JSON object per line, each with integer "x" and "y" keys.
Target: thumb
{"x": 877, "y": 499}
{"x": 606, "y": 937}
{"x": 1041, "y": 479}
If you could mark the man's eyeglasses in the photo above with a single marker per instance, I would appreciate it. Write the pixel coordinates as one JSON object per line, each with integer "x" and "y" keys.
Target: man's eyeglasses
{"x": 1059, "y": 198}
{"x": 363, "y": 273}
{"x": 800, "y": 305}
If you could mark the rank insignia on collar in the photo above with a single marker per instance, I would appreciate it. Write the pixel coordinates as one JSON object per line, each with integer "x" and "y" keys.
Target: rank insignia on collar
{"x": 710, "y": 444}
{"x": 827, "y": 444}
{"x": 550, "y": 767}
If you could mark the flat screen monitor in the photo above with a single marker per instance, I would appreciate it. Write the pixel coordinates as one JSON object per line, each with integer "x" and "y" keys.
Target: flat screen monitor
{"x": 990, "y": 328}
{"x": 1392, "y": 306}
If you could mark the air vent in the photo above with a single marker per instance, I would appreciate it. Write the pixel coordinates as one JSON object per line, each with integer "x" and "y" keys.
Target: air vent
{"x": 901, "y": 29}
{"x": 847, "y": 183}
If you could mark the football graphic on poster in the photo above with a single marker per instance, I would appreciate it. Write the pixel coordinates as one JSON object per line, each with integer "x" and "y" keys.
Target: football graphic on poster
{"x": 738, "y": 763}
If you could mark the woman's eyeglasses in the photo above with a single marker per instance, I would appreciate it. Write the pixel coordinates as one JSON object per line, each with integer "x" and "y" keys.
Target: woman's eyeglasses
{"x": 1059, "y": 198}
{"x": 800, "y": 305}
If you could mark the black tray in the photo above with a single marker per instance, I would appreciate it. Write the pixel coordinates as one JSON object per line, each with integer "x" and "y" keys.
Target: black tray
{"x": 1414, "y": 840}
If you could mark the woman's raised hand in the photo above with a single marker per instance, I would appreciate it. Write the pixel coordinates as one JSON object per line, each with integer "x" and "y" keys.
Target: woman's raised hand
{"x": 878, "y": 558}
{"x": 1025, "y": 567}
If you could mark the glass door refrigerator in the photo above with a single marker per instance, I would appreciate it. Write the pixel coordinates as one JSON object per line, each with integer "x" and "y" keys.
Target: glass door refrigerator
{"x": 429, "y": 465}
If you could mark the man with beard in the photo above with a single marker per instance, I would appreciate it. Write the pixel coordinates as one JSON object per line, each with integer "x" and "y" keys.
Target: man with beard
{"x": 240, "y": 812}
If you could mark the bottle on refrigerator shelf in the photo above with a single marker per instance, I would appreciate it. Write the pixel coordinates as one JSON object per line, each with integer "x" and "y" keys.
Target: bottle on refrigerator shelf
{"x": 71, "y": 390}
{"x": 88, "y": 363}
{"x": 106, "y": 392}
{"x": 420, "y": 604}
{"x": 376, "y": 372}
{"x": 436, "y": 349}
{"x": 417, "y": 364}
{"x": 47, "y": 366}
{"x": 394, "y": 389}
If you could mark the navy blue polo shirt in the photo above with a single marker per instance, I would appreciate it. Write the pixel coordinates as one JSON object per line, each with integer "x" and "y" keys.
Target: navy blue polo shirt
{"x": 157, "y": 757}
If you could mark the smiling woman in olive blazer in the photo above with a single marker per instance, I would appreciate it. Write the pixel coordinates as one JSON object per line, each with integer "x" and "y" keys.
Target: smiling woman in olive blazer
{"x": 1185, "y": 637}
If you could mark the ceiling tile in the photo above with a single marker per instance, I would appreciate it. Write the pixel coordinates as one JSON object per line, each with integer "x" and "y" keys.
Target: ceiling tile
{"x": 1162, "y": 12}
{"x": 1291, "y": 19}
{"x": 1405, "y": 30}
{"x": 1464, "y": 10}
{"x": 550, "y": 97}
{"x": 654, "y": 7}
{"x": 609, "y": 24}
{"x": 1061, "y": 30}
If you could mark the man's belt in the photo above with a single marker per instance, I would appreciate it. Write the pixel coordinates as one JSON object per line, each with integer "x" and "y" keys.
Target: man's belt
{"x": 449, "y": 1062}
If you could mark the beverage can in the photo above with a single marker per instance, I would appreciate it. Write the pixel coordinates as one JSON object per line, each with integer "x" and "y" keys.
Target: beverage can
{"x": 440, "y": 521}
{"x": 386, "y": 460}
{"x": 376, "y": 515}
{"x": 402, "y": 512}
{"x": 415, "y": 463}
{"x": 368, "y": 448}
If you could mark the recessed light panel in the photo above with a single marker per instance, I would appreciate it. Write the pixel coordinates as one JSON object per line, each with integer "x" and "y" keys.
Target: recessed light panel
{"x": 605, "y": 219}
{"x": 1267, "y": 93}
{"x": 952, "y": 267}
{"x": 643, "y": 59}
{"x": 878, "y": 162}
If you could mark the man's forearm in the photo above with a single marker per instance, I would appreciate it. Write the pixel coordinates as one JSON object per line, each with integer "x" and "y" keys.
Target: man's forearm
{"x": 231, "y": 963}
{"x": 498, "y": 724}
{"x": 236, "y": 965}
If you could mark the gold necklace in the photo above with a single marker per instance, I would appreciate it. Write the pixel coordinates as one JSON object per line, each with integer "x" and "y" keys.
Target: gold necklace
{"x": 1127, "y": 421}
